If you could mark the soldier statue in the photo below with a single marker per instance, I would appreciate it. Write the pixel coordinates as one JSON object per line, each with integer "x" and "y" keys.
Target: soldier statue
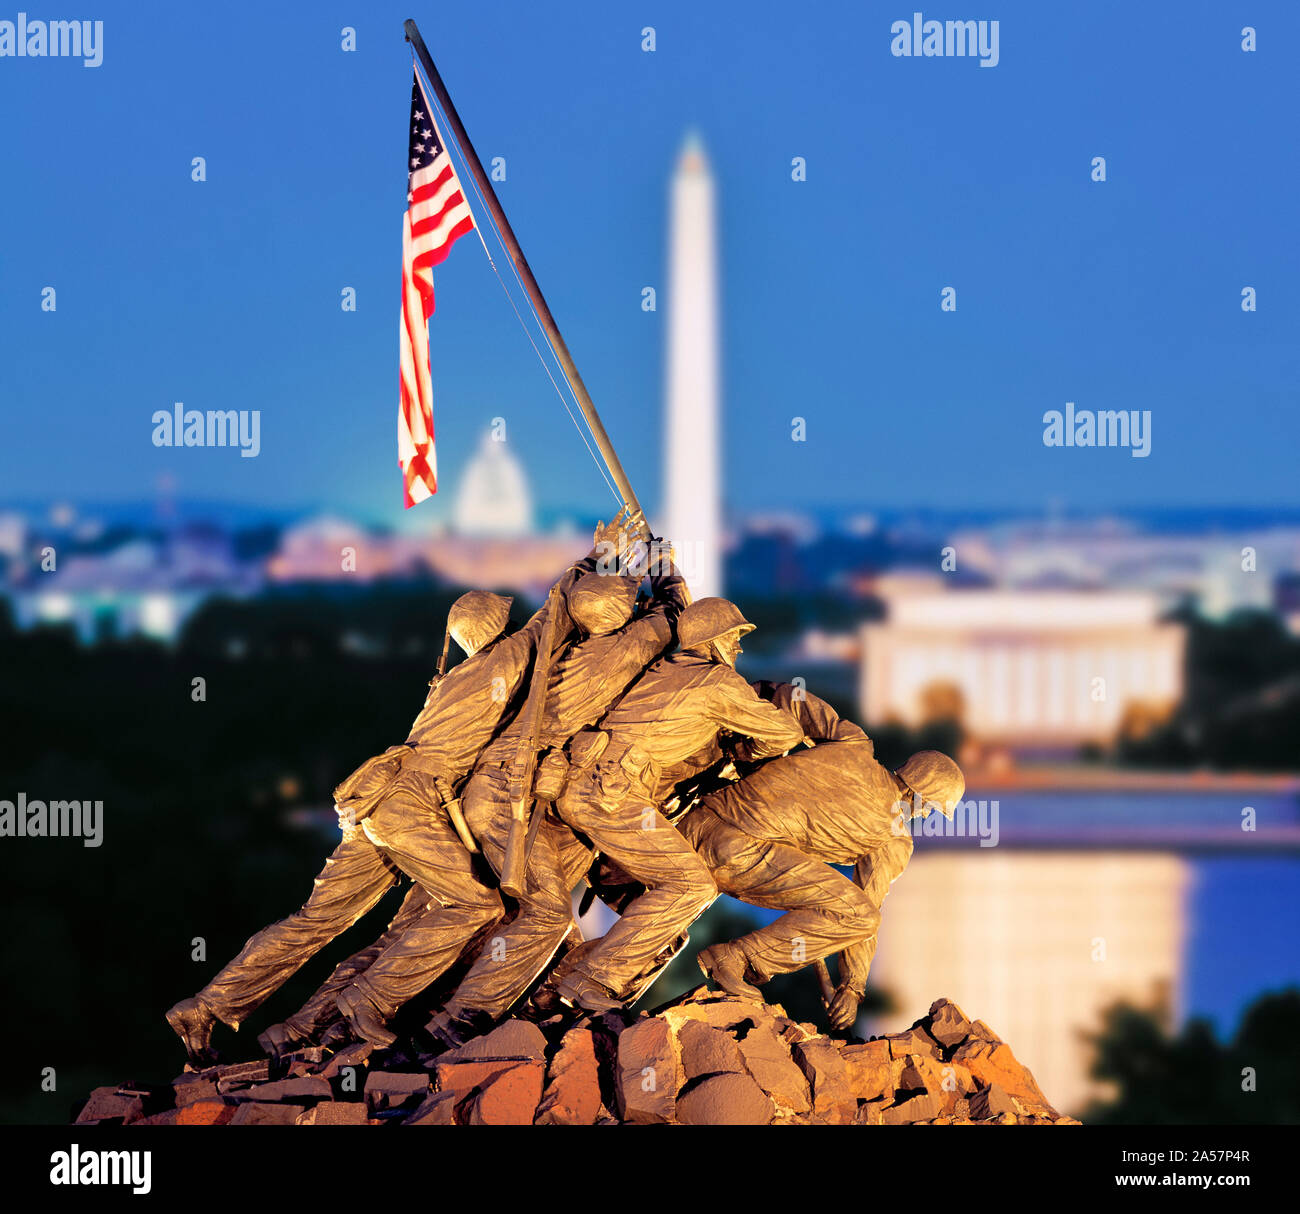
{"x": 395, "y": 821}
{"x": 771, "y": 838}
{"x": 618, "y": 785}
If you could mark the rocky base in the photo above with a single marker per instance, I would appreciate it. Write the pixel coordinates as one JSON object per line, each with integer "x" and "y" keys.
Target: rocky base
{"x": 708, "y": 1059}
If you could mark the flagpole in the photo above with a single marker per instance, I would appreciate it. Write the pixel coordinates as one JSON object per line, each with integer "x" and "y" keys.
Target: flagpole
{"x": 637, "y": 520}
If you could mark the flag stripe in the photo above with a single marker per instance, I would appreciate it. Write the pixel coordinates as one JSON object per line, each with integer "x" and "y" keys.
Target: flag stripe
{"x": 433, "y": 247}
{"x": 437, "y": 215}
{"x": 429, "y": 220}
{"x": 436, "y": 223}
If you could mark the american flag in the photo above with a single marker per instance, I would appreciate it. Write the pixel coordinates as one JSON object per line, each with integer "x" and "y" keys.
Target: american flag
{"x": 437, "y": 215}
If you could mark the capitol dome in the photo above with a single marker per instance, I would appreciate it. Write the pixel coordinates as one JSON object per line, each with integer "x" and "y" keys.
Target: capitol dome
{"x": 493, "y": 500}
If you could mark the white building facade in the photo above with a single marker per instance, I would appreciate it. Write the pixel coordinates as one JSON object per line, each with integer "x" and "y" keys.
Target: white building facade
{"x": 1032, "y": 667}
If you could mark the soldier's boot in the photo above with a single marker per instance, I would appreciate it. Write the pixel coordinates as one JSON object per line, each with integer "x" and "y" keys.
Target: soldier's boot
{"x": 545, "y": 1001}
{"x": 449, "y": 1031}
{"x": 365, "y": 1018}
{"x": 577, "y": 990}
{"x": 727, "y": 965}
{"x": 192, "y": 1021}
{"x": 542, "y": 1004}
{"x": 283, "y": 1038}
{"x": 337, "y": 1036}
{"x": 654, "y": 971}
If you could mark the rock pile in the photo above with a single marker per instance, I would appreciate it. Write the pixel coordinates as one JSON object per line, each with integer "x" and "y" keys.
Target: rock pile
{"x": 708, "y": 1059}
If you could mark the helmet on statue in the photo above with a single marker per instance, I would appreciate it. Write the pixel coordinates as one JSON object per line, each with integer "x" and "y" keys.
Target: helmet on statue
{"x": 933, "y": 779}
{"x": 601, "y": 603}
{"x": 706, "y": 620}
{"x": 476, "y": 618}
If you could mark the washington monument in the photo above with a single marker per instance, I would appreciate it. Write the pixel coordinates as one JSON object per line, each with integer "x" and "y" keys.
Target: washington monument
{"x": 692, "y": 489}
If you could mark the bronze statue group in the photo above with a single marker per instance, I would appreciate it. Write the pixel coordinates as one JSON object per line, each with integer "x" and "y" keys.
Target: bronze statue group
{"x": 610, "y": 741}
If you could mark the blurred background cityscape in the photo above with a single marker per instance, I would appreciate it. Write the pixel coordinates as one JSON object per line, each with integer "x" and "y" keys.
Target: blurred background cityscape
{"x": 1119, "y": 819}
{"x": 1121, "y": 683}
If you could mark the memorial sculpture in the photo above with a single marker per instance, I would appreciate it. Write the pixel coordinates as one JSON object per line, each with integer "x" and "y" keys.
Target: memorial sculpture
{"x": 610, "y": 742}
{"x": 610, "y": 739}
{"x": 584, "y": 717}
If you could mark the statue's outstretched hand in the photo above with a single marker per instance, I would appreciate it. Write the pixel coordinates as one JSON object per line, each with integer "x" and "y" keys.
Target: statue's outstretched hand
{"x": 610, "y": 533}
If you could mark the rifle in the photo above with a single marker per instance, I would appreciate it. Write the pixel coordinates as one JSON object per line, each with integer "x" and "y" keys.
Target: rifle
{"x": 522, "y": 809}
{"x": 442, "y": 661}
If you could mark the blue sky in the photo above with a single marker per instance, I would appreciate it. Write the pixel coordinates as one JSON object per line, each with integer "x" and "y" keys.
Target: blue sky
{"x": 922, "y": 173}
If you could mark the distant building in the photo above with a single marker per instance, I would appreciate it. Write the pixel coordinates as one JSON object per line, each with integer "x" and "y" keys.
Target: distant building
{"x": 327, "y": 548}
{"x": 143, "y": 586}
{"x": 896, "y": 584}
{"x": 492, "y": 543}
{"x": 13, "y": 536}
{"x": 493, "y": 498}
{"x": 529, "y": 565}
{"x": 1037, "y": 945}
{"x": 1222, "y": 571}
{"x": 1032, "y": 667}
{"x": 692, "y": 511}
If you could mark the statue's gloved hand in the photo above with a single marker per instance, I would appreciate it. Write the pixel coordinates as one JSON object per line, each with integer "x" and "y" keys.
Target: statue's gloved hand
{"x": 347, "y": 817}
{"x": 614, "y": 534}
{"x": 659, "y": 557}
{"x": 552, "y": 772}
{"x": 843, "y": 1010}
